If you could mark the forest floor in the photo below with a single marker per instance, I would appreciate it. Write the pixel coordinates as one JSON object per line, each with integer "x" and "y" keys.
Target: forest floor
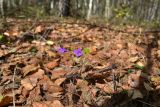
{"x": 77, "y": 64}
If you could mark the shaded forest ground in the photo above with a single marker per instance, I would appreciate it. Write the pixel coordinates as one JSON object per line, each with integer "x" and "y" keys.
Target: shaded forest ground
{"x": 78, "y": 64}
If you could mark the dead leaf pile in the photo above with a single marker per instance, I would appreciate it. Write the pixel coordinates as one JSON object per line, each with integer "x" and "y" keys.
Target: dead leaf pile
{"x": 40, "y": 76}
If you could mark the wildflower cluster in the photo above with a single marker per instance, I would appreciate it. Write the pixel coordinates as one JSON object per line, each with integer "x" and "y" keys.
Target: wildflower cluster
{"x": 78, "y": 52}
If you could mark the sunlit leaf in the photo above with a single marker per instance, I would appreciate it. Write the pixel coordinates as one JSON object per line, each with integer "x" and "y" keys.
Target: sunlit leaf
{"x": 49, "y": 42}
{"x": 1, "y": 97}
{"x": 76, "y": 59}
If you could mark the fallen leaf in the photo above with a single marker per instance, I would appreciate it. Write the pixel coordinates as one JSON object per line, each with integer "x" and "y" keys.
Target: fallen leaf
{"x": 39, "y": 74}
{"x": 87, "y": 96}
{"x": 123, "y": 54}
{"x": 134, "y": 59}
{"x": 108, "y": 88}
{"x": 82, "y": 84}
{"x": 155, "y": 80}
{"x": 49, "y": 42}
{"x": 147, "y": 86}
{"x": 40, "y": 104}
{"x": 52, "y": 64}
{"x": 93, "y": 50}
{"x": 29, "y": 69}
{"x": 134, "y": 94}
{"x": 119, "y": 45}
{"x": 140, "y": 64}
{"x": 49, "y": 86}
{"x": 39, "y": 29}
{"x": 158, "y": 53}
{"x": 50, "y": 53}
{"x": 56, "y": 103}
{"x": 53, "y": 96}
{"x": 5, "y": 100}
{"x": 29, "y": 83}
{"x": 35, "y": 94}
{"x": 59, "y": 81}
{"x": 58, "y": 73}
{"x": 134, "y": 80}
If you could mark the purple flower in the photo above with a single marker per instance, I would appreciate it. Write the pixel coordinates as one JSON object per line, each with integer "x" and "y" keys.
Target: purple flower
{"x": 62, "y": 50}
{"x": 78, "y": 52}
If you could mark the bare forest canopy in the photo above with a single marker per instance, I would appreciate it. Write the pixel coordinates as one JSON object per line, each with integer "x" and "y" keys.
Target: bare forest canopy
{"x": 148, "y": 10}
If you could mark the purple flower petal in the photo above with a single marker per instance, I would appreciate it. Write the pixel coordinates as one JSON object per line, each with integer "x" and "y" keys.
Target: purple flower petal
{"x": 62, "y": 50}
{"x": 78, "y": 52}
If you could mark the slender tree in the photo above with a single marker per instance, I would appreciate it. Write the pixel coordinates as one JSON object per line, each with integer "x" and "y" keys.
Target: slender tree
{"x": 1, "y": 8}
{"x": 64, "y": 8}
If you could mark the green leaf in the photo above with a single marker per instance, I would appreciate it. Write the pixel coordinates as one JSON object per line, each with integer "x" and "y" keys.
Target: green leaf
{"x": 1, "y": 97}
{"x": 33, "y": 49}
{"x": 86, "y": 50}
{"x": 129, "y": 71}
{"x": 72, "y": 48}
{"x": 1, "y": 37}
{"x": 139, "y": 67}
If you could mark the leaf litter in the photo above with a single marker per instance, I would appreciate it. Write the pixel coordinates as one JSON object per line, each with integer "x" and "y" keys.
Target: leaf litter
{"x": 75, "y": 65}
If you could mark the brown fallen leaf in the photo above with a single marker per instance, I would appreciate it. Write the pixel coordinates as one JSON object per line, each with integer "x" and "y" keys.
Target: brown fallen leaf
{"x": 50, "y": 53}
{"x": 134, "y": 79}
{"x": 40, "y": 104}
{"x": 5, "y": 100}
{"x": 58, "y": 73}
{"x": 53, "y": 96}
{"x": 87, "y": 96}
{"x": 39, "y": 74}
{"x": 123, "y": 54}
{"x": 82, "y": 83}
{"x": 56, "y": 103}
{"x": 106, "y": 87}
{"x": 133, "y": 59}
{"x": 39, "y": 29}
{"x": 24, "y": 92}
{"x": 49, "y": 86}
{"x": 29, "y": 69}
{"x": 29, "y": 83}
{"x": 93, "y": 50}
{"x": 59, "y": 81}
{"x": 52, "y": 64}
{"x": 158, "y": 53}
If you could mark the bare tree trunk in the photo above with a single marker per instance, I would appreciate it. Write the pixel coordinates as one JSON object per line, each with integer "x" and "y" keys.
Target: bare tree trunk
{"x": 90, "y": 9}
{"x": 1, "y": 8}
{"x": 107, "y": 9}
{"x": 64, "y": 8}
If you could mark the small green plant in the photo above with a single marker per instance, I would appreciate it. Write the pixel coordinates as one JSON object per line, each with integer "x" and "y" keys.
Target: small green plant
{"x": 122, "y": 12}
{"x": 130, "y": 71}
{"x": 86, "y": 50}
{"x": 139, "y": 67}
{"x": 1, "y": 37}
